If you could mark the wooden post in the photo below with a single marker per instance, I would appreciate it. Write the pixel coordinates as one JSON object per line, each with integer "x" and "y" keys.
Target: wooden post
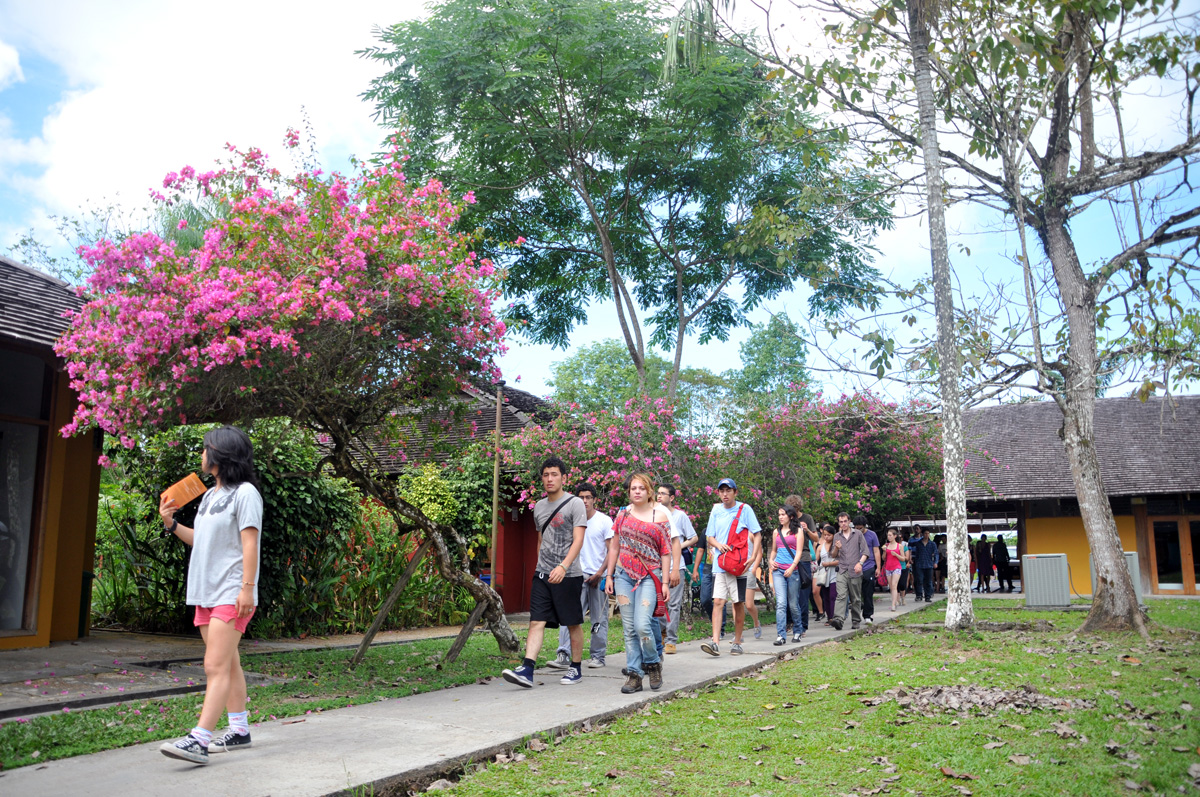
{"x": 390, "y": 601}
{"x": 464, "y": 634}
{"x": 496, "y": 488}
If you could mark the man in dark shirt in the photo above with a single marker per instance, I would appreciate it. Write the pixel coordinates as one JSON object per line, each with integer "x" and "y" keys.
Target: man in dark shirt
{"x": 1003, "y": 564}
{"x": 924, "y": 562}
{"x": 870, "y": 568}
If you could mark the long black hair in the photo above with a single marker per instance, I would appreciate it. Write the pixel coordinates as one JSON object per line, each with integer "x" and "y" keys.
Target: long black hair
{"x": 793, "y": 518}
{"x": 229, "y": 449}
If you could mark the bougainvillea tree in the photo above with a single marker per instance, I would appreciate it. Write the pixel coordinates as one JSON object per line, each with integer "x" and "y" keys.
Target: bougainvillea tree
{"x": 345, "y": 303}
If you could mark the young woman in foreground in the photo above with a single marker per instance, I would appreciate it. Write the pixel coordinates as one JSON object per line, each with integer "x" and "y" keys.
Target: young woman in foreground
{"x": 222, "y": 584}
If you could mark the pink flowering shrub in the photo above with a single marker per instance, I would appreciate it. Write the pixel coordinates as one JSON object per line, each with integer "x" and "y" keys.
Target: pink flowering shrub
{"x": 858, "y": 454}
{"x": 604, "y": 448}
{"x": 332, "y": 300}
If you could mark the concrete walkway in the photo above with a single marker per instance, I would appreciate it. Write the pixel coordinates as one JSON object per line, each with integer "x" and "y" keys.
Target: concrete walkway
{"x": 394, "y": 741}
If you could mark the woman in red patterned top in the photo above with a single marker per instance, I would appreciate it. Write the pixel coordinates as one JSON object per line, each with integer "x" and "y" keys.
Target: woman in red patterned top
{"x": 644, "y": 551}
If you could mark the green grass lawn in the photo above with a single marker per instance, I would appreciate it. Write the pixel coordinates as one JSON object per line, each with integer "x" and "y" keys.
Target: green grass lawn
{"x": 823, "y": 722}
{"x": 318, "y": 680}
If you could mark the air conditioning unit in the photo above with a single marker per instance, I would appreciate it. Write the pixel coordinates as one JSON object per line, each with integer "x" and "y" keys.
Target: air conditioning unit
{"x": 1046, "y": 580}
{"x": 1135, "y": 572}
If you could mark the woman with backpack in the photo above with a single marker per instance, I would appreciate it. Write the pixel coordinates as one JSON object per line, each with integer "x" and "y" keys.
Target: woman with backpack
{"x": 643, "y": 552}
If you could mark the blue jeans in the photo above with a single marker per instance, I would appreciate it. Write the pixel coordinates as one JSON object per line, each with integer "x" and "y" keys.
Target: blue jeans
{"x": 636, "y": 602}
{"x": 925, "y": 583}
{"x": 656, "y": 629}
{"x": 787, "y": 601}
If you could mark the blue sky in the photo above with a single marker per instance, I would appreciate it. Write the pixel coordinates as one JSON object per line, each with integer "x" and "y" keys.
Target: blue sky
{"x": 99, "y": 100}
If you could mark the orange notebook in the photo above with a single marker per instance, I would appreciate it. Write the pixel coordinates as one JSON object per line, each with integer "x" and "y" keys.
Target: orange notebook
{"x": 186, "y": 490}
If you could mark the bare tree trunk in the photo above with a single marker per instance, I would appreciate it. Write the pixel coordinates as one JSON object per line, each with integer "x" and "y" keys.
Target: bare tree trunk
{"x": 959, "y": 610}
{"x": 1114, "y": 605}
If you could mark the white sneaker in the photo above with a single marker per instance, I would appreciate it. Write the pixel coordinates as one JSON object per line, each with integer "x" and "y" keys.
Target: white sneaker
{"x": 561, "y": 662}
{"x": 595, "y": 663}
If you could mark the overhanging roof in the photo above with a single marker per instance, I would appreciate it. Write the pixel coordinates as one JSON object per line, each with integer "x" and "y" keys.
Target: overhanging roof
{"x": 32, "y": 304}
{"x": 1145, "y": 448}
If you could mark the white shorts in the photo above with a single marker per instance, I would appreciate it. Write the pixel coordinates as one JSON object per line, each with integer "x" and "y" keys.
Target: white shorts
{"x": 725, "y": 587}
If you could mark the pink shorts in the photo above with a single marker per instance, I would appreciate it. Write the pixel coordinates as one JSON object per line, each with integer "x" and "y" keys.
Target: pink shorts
{"x": 226, "y": 613}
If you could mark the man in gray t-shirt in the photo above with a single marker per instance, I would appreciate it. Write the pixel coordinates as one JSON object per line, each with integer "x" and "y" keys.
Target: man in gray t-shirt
{"x": 554, "y": 599}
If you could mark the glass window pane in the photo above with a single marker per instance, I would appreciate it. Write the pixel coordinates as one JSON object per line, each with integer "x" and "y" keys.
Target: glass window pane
{"x": 1167, "y": 554}
{"x": 18, "y": 478}
{"x": 22, "y": 386}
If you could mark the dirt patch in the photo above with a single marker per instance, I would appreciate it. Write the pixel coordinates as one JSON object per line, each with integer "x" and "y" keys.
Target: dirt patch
{"x": 981, "y": 699}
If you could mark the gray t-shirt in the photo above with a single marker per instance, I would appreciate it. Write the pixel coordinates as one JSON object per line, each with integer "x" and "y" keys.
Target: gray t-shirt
{"x": 215, "y": 570}
{"x": 560, "y": 534}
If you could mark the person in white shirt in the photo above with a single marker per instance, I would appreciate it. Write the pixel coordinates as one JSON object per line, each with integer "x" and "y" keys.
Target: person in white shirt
{"x": 596, "y": 543}
{"x": 683, "y": 535}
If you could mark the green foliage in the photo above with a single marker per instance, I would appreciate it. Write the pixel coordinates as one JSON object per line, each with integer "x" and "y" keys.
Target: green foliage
{"x": 601, "y": 377}
{"x": 773, "y": 371}
{"x": 621, "y": 186}
{"x": 327, "y": 561}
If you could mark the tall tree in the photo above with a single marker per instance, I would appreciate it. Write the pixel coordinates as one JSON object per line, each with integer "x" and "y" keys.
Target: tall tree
{"x": 619, "y": 186}
{"x": 773, "y": 360}
{"x": 1024, "y": 87}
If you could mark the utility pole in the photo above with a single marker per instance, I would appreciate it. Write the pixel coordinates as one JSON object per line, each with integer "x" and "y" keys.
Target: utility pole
{"x": 496, "y": 486}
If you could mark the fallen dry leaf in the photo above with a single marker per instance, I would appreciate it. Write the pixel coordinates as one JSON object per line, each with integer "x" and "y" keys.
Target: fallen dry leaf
{"x": 1194, "y": 771}
{"x": 537, "y": 745}
{"x": 993, "y": 745}
{"x": 441, "y": 784}
{"x": 1134, "y": 661}
{"x": 612, "y": 773}
{"x": 1020, "y": 760}
{"x": 950, "y": 773}
{"x": 767, "y": 728}
{"x": 1132, "y": 785}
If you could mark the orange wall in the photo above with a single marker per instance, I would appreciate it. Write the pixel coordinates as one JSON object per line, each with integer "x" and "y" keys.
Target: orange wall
{"x": 1066, "y": 535}
{"x": 68, "y": 520}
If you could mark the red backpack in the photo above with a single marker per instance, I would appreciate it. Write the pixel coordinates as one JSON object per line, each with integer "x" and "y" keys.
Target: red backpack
{"x": 734, "y": 560}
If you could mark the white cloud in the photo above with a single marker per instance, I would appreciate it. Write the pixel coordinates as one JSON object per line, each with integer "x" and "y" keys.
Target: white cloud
{"x": 155, "y": 86}
{"x": 10, "y": 66}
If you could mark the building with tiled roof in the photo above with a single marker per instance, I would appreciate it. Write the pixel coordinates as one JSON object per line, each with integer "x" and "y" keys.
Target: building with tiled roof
{"x": 1149, "y": 456}
{"x": 49, "y": 486}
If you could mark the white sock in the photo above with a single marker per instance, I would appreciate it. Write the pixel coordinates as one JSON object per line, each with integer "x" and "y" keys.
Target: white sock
{"x": 201, "y": 735}
{"x": 239, "y": 722}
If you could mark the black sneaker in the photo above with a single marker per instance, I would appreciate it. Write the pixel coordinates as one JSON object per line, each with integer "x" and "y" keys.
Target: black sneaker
{"x": 836, "y": 623}
{"x": 797, "y": 637}
{"x": 232, "y": 740}
{"x": 779, "y": 640}
{"x": 521, "y": 676}
{"x": 189, "y": 748}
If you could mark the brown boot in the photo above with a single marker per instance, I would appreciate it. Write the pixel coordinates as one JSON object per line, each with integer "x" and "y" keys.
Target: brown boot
{"x": 634, "y": 684}
{"x": 654, "y": 671}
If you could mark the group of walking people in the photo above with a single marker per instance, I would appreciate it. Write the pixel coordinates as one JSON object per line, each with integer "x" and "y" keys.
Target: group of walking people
{"x": 584, "y": 557}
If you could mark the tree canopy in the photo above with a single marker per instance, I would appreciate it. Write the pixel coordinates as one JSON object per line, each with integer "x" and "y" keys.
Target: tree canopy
{"x": 663, "y": 197}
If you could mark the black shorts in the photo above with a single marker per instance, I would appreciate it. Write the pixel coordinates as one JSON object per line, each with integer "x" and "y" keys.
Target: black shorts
{"x": 741, "y": 589}
{"x": 556, "y": 604}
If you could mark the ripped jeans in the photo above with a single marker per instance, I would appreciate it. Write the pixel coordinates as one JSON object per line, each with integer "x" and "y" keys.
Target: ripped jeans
{"x": 636, "y": 602}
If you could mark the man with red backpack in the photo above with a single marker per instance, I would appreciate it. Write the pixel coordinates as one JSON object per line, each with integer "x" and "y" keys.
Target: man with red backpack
{"x": 733, "y": 537}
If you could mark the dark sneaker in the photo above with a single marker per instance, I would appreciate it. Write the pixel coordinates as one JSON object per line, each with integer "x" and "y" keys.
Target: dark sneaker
{"x": 855, "y": 626}
{"x": 232, "y": 740}
{"x": 836, "y": 623}
{"x": 779, "y": 640}
{"x": 522, "y": 676}
{"x": 561, "y": 662}
{"x": 572, "y": 676}
{"x": 797, "y": 637}
{"x": 711, "y": 648}
{"x": 735, "y": 649}
{"x": 189, "y": 748}
{"x": 633, "y": 684}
